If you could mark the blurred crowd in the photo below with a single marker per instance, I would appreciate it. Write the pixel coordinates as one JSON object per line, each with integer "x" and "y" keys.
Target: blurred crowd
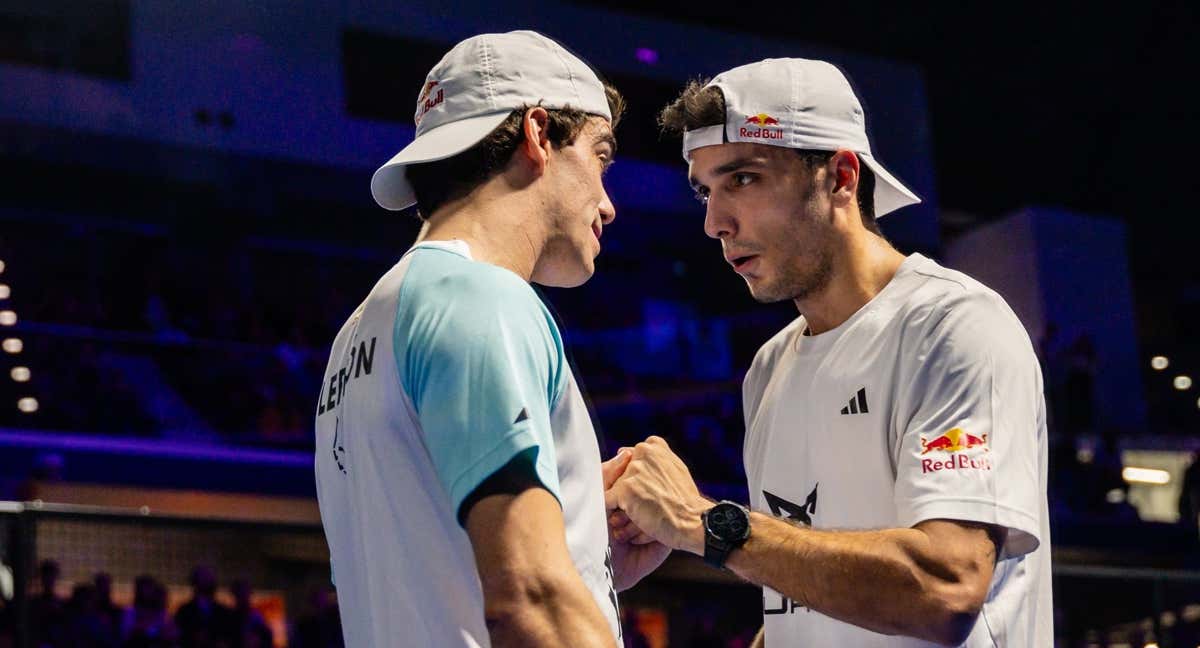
{"x": 156, "y": 331}
{"x": 89, "y": 618}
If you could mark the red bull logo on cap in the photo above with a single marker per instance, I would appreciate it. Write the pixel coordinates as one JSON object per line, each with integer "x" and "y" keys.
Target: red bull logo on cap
{"x": 425, "y": 102}
{"x": 955, "y": 440}
{"x": 758, "y": 127}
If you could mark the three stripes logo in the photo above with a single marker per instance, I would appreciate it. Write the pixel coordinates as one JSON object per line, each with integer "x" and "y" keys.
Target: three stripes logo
{"x": 858, "y": 403}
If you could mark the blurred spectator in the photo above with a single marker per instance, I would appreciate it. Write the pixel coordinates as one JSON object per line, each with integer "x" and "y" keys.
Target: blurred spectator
{"x": 320, "y": 626}
{"x": 46, "y": 609}
{"x": 202, "y": 621}
{"x": 146, "y": 624}
{"x": 112, "y": 613}
{"x": 1077, "y": 407}
{"x": 251, "y": 628}
{"x": 1189, "y": 496}
{"x": 84, "y": 625}
{"x": 1100, "y": 490}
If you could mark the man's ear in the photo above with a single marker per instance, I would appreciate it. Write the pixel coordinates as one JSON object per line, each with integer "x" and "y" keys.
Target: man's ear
{"x": 536, "y": 146}
{"x": 844, "y": 171}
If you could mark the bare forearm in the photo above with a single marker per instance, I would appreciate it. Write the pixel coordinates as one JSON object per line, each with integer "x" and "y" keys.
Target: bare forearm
{"x": 532, "y": 593}
{"x": 889, "y": 581}
{"x": 550, "y": 617}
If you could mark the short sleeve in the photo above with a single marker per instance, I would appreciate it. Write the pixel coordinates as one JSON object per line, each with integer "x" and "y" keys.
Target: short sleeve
{"x": 972, "y": 439}
{"x": 481, "y": 360}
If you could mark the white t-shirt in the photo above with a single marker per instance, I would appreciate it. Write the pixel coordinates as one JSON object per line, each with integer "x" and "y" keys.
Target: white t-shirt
{"x": 927, "y": 403}
{"x": 448, "y": 370}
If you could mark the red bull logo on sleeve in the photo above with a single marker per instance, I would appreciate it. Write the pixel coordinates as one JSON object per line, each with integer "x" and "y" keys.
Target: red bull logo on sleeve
{"x": 428, "y": 99}
{"x": 955, "y": 441}
{"x": 759, "y": 127}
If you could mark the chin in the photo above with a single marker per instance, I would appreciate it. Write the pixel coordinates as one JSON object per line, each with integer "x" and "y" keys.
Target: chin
{"x": 569, "y": 277}
{"x": 764, "y": 293}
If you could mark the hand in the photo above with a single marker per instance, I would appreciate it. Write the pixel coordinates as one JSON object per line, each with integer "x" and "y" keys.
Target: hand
{"x": 658, "y": 495}
{"x": 634, "y": 554}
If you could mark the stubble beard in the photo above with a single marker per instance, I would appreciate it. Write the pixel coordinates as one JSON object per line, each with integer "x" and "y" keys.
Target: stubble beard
{"x": 796, "y": 283}
{"x": 797, "y": 279}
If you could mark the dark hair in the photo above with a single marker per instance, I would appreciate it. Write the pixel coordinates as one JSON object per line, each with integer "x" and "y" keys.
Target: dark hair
{"x": 701, "y": 105}
{"x": 436, "y": 183}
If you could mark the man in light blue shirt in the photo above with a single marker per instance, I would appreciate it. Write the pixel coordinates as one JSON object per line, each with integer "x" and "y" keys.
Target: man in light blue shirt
{"x": 458, "y": 474}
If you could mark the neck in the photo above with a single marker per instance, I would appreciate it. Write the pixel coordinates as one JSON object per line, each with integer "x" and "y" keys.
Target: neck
{"x": 497, "y": 223}
{"x": 862, "y": 267}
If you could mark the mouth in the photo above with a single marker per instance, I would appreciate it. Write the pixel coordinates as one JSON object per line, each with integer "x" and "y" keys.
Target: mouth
{"x": 742, "y": 264}
{"x": 597, "y": 230}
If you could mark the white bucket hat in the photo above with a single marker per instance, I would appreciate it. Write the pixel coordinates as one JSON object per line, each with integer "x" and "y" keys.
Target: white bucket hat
{"x": 475, "y": 86}
{"x": 801, "y": 104}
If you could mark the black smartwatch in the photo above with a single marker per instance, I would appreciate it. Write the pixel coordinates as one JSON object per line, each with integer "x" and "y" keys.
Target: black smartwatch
{"x": 726, "y": 527}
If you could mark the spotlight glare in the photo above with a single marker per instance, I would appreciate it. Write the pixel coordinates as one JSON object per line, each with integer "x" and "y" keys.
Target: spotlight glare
{"x": 1, "y": 267}
{"x": 5, "y": 291}
{"x": 12, "y": 345}
{"x": 1183, "y": 383}
{"x": 8, "y": 318}
{"x": 29, "y": 405}
{"x": 20, "y": 374}
{"x": 1159, "y": 363}
{"x": 647, "y": 55}
{"x": 1145, "y": 476}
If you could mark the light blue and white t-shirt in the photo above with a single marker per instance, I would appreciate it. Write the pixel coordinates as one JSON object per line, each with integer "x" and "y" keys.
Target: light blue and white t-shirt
{"x": 448, "y": 370}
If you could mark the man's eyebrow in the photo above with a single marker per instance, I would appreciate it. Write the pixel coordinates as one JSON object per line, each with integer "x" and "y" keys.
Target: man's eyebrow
{"x": 729, "y": 167}
{"x": 606, "y": 137}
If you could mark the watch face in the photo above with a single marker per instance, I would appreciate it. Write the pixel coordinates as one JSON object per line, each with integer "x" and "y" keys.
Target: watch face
{"x": 728, "y": 521}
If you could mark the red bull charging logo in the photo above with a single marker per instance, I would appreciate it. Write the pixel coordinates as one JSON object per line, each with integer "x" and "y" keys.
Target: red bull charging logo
{"x": 428, "y": 99}
{"x": 954, "y": 441}
{"x": 759, "y": 127}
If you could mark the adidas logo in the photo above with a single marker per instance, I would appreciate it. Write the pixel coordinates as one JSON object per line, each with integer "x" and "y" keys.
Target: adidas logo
{"x": 858, "y": 403}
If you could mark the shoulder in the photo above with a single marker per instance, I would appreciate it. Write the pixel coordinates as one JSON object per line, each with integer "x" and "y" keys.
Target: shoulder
{"x": 453, "y": 310}
{"x": 949, "y": 308}
{"x": 451, "y": 294}
{"x": 443, "y": 277}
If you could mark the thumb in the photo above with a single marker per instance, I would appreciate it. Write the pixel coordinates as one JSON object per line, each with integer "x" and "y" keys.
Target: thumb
{"x": 615, "y": 467}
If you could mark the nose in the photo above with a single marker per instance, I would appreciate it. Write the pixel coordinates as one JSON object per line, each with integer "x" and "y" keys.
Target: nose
{"x": 608, "y": 212}
{"x": 718, "y": 221}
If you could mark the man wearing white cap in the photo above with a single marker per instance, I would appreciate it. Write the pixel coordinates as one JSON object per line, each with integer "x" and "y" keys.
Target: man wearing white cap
{"x": 895, "y": 442}
{"x": 458, "y": 474}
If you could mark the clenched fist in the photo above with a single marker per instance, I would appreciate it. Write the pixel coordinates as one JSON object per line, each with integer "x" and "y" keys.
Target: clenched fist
{"x": 657, "y": 494}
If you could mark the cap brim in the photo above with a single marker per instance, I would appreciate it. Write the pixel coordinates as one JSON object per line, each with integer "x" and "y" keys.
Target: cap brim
{"x": 890, "y": 193}
{"x": 390, "y": 186}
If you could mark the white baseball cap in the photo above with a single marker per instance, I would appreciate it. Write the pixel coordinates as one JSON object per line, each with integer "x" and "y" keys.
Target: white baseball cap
{"x": 475, "y": 86}
{"x": 801, "y": 104}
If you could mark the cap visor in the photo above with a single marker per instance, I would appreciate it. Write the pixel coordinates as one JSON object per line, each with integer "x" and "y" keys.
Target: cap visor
{"x": 890, "y": 193}
{"x": 390, "y": 186}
